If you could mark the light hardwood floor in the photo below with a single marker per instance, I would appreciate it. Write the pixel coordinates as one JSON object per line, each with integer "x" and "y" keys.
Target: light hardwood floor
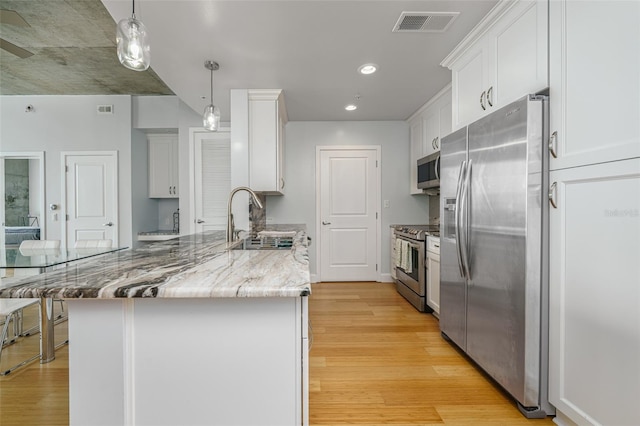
{"x": 36, "y": 394}
{"x": 375, "y": 360}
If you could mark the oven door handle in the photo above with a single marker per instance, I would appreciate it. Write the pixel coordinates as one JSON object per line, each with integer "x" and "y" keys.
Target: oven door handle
{"x": 411, "y": 244}
{"x": 458, "y": 208}
{"x": 415, "y": 246}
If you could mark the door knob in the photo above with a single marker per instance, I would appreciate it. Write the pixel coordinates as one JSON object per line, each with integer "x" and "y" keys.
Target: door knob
{"x": 108, "y": 224}
{"x": 199, "y": 221}
{"x": 326, "y": 223}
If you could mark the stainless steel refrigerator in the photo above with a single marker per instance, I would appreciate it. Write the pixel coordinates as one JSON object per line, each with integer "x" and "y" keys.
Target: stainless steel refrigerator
{"x": 493, "y": 248}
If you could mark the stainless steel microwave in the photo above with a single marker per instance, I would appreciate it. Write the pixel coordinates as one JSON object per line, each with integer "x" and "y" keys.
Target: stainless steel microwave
{"x": 429, "y": 171}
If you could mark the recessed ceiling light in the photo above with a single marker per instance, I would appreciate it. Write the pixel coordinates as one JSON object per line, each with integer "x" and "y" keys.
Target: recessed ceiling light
{"x": 351, "y": 107}
{"x": 367, "y": 69}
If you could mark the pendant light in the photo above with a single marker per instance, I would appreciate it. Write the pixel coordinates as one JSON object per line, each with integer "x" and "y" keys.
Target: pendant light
{"x": 132, "y": 41}
{"x": 211, "y": 117}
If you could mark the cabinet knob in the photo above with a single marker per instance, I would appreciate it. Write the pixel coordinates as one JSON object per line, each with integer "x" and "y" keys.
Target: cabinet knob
{"x": 108, "y": 224}
{"x": 490, "y": 96}
{"x": 199, "y": 221}
{"x": 326, "y": 223}
{"x": 482, "y": 95}
{"x": 281, "y": 183}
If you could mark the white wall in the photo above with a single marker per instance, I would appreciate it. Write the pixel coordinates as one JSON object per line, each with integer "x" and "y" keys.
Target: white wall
{"x": 298, "y": 205}
{"x": 144, "y": 209}
{"x": 153, "y": 114}
{"x": 70, "y": 123}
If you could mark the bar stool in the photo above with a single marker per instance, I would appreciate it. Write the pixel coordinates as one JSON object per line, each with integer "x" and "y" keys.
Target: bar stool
{"x": 11, "y": 311}
{"x": 89, "y": 244}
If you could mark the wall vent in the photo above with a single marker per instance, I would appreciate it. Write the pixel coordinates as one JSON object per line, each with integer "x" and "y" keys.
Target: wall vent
{"x": 424, "y": 22}
{"x": 105, "y": 109}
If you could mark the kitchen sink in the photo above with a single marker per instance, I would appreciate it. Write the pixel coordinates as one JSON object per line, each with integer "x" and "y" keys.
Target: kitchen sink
{"x": 265, "y": 244}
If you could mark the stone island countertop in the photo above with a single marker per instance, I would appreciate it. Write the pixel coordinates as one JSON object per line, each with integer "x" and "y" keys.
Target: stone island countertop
{"x": 192, "y": 266}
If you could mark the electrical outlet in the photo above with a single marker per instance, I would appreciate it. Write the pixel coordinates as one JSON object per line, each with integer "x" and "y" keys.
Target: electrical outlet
{"x": 386, "y": 204}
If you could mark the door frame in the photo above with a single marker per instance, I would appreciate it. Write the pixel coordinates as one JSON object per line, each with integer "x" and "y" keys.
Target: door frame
{"x": 193, "y": 131}
{"x": 377, "y": 149}
{"x": 63, "y": 192}
{"x": 26, "y": 155}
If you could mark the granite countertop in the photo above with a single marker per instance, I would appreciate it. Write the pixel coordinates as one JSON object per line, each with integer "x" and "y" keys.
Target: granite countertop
{"x": 192, "y": 266}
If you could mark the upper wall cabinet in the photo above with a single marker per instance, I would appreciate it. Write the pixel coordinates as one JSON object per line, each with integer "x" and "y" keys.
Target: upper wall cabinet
{"x": 163, "y": 165}
{"x": 594, "y": 82}
{"x": 502, "y": 59}
{"x": 267, "y": 119}
{"x": 427, "y": 127}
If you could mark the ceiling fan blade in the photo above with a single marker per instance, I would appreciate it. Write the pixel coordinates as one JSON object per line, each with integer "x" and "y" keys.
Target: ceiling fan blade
{"x": 16, "y": 50}
{"x": 11, "y": 17}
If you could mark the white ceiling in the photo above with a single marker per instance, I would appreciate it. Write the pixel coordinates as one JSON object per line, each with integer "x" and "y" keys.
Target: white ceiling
{"x": 310, "y": 49}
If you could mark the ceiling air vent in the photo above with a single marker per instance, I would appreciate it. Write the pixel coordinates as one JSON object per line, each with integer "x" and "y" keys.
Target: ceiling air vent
{"x": 105, "y": 109}
{"x": 424, "y": 22}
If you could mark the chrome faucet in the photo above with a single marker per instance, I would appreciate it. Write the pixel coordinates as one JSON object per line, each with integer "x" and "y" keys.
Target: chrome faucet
{"x": 230, "y": 225}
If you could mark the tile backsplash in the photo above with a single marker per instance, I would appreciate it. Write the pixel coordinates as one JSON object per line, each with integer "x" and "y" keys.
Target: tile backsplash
{"x": 258, "y": 217}
{"x": 434, "y": 210}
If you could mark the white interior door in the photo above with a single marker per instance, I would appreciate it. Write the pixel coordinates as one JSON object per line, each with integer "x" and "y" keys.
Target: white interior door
{"x": 91, "y": 196}
{"x": 349, "y": 189}
{"x": 212, "y": 168}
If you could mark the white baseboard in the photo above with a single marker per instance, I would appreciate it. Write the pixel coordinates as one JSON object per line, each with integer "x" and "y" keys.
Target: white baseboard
{"x": 386, "y": 278}
{"x": 562, "y": 419}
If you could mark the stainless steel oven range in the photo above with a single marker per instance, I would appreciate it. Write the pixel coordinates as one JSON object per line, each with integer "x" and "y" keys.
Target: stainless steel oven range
{"x": 411, "y": 277}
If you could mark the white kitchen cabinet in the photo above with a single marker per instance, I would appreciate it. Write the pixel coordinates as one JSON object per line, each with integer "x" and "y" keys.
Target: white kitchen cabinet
{"x": 163, "y": 165}
{"x": 267, "y": 119}
{"x": 594, "y": 73}
{"x": 502, "y": 59}
{"x": 427, "y": 126}
{"x": 594, "y": 309}
{"x": 433, "y": 274}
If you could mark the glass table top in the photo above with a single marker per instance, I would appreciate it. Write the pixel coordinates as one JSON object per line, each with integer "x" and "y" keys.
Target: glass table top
{"x": 45, "y": 258}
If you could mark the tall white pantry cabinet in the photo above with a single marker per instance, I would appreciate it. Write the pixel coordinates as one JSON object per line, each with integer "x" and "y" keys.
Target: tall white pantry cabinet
{"x": 594, "y": 72}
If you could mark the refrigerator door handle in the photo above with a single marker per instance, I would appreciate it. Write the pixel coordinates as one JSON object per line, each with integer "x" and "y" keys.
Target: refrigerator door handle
{"x": 464, "y": 221}
{"x": 456, "y": 217}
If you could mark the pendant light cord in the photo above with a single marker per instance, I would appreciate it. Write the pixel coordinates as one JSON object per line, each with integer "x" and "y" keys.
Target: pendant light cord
{"x": 211, "y": 85}
{"x": 133, "y": 11}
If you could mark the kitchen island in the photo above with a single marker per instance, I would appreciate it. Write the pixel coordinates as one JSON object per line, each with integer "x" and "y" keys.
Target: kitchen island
{"x": 188, "y": 331}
